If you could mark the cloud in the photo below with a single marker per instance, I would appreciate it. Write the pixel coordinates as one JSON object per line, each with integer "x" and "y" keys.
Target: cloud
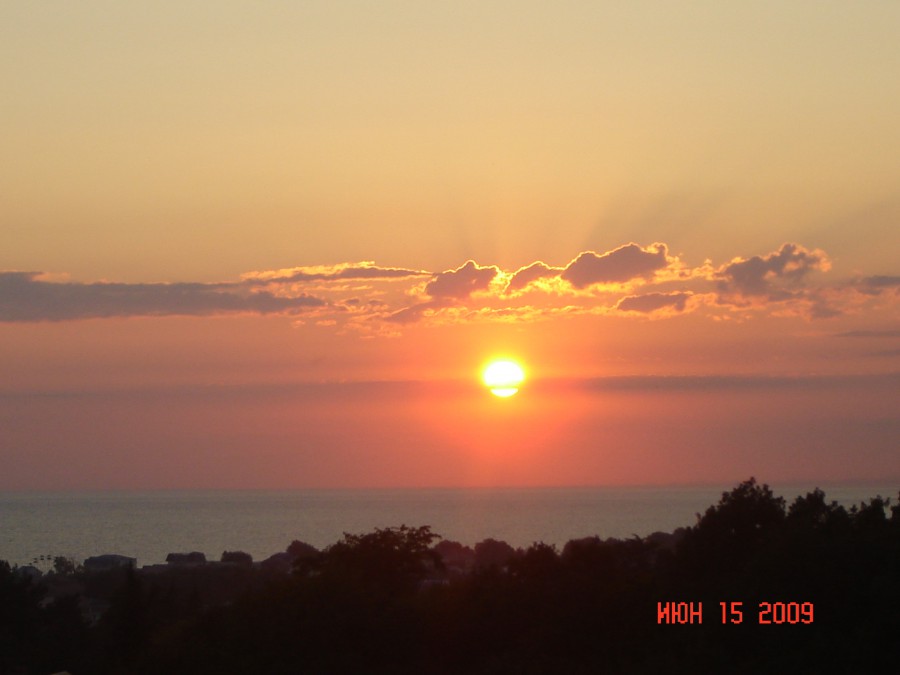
{"x": 377, "y": 300}
{"x": 25, "y": 296}
{"x": 445, "y": 290}
{"x": 869, "y": 334}
{"x": 654, "y": 302}
{"x": 344, "y": 271}
{"x": 780, "y": 280}
{"x": 887, "y": 335}
{"x": 526, "y": 275}
{"x": 882, "y": 281}
{"x": 460, "y": 283}
{"x": 413, "y": 313}
{"x": 620, "y": 265}
{"x": 875, "y": 285}
{"x": 771, "y": 276}
{"x": 820, "y": 307}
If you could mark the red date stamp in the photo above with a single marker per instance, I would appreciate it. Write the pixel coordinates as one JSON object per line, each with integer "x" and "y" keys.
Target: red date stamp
{"x": 736, "y": 612}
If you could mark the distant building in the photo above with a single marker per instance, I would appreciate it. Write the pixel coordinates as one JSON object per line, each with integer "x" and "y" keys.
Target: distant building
{"x": 237, "y": 558}
{"x": 109, "y": 561}
{"x": 192, "y": 558}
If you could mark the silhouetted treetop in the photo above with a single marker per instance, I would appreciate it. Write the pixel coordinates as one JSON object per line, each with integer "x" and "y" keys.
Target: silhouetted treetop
{"x": 747, "y": 509}
{"x": 300, "y": 549}
{"x": 493, "y": 553}
{"x": 393, "y": 558}
{"x": 813, "y": 511}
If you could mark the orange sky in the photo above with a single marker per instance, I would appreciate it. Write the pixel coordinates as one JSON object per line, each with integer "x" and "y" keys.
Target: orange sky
{"x": 273, "y": 247}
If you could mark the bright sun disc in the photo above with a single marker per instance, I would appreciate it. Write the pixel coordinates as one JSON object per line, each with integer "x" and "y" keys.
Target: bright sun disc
{"x": 503, "y": 377}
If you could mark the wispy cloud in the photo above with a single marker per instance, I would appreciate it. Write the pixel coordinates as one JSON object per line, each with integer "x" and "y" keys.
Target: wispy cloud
{"x": 359, "y": 270}
{"x": 650, "y": 303}
{"x": 875, "y": 285}
{"x": 869, "y": 334}
{"x": 881, "y": 337}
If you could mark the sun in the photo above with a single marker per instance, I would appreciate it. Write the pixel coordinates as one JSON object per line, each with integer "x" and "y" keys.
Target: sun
{"x": 503, "y": 377}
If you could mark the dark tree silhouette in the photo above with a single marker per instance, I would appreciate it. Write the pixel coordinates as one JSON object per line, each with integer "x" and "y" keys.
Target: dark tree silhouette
{"x": 300, "y": 549}
{"x": 361, "y": 605}
{"x": 493, "y": 553}
{"x": 394, "y": 559}
{"x": 37, "y": 635}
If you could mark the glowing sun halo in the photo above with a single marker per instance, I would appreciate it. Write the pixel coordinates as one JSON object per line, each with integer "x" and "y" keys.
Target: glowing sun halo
{"x": 503, "y": 377}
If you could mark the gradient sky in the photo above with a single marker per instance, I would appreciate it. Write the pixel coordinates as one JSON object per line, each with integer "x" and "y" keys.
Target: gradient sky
{"x": 273, "y": 244}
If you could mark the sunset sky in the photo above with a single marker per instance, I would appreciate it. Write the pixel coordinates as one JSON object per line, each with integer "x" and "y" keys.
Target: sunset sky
{"x": 272, "y": 245}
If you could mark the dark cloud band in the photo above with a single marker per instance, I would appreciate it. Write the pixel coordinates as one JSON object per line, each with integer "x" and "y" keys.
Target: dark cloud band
{"x": 25, "y": 297}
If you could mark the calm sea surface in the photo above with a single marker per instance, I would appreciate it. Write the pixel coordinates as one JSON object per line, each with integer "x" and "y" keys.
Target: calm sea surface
{"x": 149, "y": 525}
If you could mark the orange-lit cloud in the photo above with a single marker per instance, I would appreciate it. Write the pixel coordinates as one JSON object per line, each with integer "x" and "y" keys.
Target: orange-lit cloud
{"x": 524, "y": 276}
{"x": 628, "y": 280}
{"x": 622, "y": 264}
{"x": 462, "y": 282}
{"x": 446, "y": 289}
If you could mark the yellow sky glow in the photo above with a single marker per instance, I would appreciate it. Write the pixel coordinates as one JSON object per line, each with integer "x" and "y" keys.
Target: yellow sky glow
{"x": 228, "y": 227}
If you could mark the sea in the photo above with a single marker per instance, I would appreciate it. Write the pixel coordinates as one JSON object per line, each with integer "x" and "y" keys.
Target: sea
{"x": 35, "y": 527}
